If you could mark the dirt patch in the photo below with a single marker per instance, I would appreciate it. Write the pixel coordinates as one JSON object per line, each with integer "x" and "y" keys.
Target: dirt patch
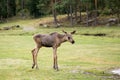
{"x": 29, "y": 29}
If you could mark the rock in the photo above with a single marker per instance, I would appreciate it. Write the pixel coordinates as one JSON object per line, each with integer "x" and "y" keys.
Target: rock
{"x": 45, "y": 25}
{"x": 17, "y": 26}
{"x": 6, "y": 28}
{"x": 112, "y": 22}
{"x": 40, "y": 24}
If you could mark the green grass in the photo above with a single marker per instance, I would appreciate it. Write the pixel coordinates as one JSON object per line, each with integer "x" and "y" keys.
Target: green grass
{"x": 90, "y": 58}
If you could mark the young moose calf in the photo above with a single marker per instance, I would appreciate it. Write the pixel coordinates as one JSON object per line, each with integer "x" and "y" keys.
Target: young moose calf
{"x": 53, "y": 40}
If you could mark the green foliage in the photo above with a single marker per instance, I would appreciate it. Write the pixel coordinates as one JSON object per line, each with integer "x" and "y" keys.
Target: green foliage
{"x": 33, "y": 7}
{"x": 3, "y": 8}
{"x": 61, "y": 7}
{"x": 106, "y": 12}
{"x": 114, "y": 6}
{"x": 44, "y": 7}
{"x": 39, "y": 8}
{"x": 7, "y": 8}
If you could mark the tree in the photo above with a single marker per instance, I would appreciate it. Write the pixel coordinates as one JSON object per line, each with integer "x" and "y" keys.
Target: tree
{"x": 54, "y": 11}
{"x": 11, "y": 8}
{"x": 114, "y": 5}
{"x": 71, "y": 10}
{"x": 7, "y": 9}
{"x": 3, "y": 9}
{"x": 44, "y": 7}
{"x": 34, "y": 11}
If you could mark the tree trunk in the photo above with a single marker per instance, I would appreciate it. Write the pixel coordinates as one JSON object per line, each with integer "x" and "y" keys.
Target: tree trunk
{"x": 68, "y": 15}
{"x": 22, "y": 5}
{"x": 7, "y": 8}
{"x": 71, "y": 16}
{"x": 80, "y": 11}
{"x": 95, "y": 12}
{"x": 87, "y": 20}
{"x": 68, "y": 12}
{"x": 80, "y": 16}
{"x": 55, "y": 16}
{"x": 118, "y": 16}
{"x": 75, "y": 10}
{"x": 54, "y": 12}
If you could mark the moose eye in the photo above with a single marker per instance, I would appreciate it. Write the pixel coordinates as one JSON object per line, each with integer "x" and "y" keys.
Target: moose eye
{"x": 68, "y": 37}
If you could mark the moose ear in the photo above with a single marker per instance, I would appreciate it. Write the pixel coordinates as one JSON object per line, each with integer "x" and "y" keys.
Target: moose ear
{"x": 64, "y": 31}
{"x": 73, "y": 32}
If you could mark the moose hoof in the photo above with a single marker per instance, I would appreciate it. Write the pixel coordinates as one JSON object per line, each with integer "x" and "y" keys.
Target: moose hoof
{"x": 37, "y": 68}
{"x": 33, "y": 66}
{"x": 55, "y": 68}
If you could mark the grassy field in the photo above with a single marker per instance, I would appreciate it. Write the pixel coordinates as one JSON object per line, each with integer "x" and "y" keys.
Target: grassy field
{"x": 90, "y": 58}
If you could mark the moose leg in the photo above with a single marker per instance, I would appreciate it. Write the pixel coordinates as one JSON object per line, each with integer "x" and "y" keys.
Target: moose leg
{"x": 55, "y": 65}
{"x": 34, "y": 53}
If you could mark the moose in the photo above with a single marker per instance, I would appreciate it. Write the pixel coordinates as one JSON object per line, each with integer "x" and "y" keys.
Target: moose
{"x": 53, "y": 40}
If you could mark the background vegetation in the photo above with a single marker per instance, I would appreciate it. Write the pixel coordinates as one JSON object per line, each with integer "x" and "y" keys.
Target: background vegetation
{"x": 40, "y": 8}
{"x": 93, "y": 56}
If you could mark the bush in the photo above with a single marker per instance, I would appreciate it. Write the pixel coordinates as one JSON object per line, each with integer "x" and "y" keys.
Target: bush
{"x": 106, "y": 12}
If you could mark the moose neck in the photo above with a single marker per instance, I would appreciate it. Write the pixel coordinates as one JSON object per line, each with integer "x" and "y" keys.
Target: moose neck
{"x": 62, "y": 38}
